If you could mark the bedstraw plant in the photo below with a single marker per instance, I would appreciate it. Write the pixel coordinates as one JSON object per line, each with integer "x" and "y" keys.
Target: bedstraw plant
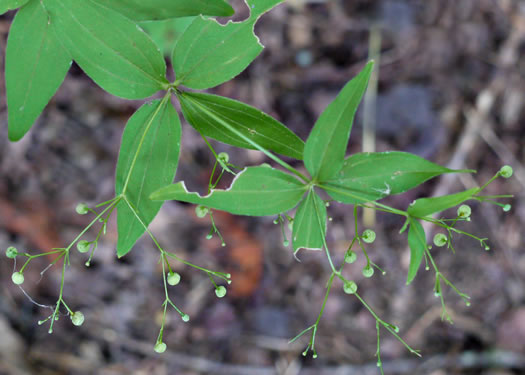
{"x": 107, "y": 40}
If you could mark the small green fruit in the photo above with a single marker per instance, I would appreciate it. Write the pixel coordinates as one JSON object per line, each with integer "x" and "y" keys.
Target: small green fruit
{"x": 77, "y": 318}
{"x": 368, "y": 271}
{"x": 11, "y": 252}
{"x": 160, "y": 347}
{"x": 18, "y": 278}
{"x": 173, "y": 278}
{"x": 83, "y": 246}
{"x": 440, "y": 240}
{"x": 223, "y": 158}
{"x": 220, "y": 291}
{"x": 350, "y": 287}
{"x": 368, "y": 236}
{"x": 185, "y": 318}
{"x": 464, "y": 211}
{"x": 350, "y": 257}
{"x": 82, "y": 209}
{"x": 201, "y": 211}
{"x": 506, "y": 171}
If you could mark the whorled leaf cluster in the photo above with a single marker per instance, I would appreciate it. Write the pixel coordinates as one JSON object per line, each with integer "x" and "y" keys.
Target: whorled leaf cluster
{"x": 106, "y": 38}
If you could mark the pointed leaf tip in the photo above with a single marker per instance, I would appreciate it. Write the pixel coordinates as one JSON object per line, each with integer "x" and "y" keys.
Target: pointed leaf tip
{"x": 325, "y": 148}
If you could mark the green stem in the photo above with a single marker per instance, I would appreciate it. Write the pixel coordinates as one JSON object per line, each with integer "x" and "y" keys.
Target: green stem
{"x": 154, "y": 239}
{"x": 95, "y": 220}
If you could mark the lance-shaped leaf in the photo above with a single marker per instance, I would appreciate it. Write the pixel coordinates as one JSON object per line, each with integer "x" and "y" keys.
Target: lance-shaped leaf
{"x": 256, "y": 191}
{"x": 309, "y": 223}
{"x": 370, "y": 176}
{"x": 149, "y": 10}
{"x": 166, "y": 33}
{"x": 7, "y": 5}
{"x": 208, "y": 53}
{"x": 325, "y": 148}
{"x": 148, "y": 160}
{"x": 117, "y": 54}
{"x": 417, "y": 242}
{"x": 213, "y": 115}
{"x": 427, "y": 206}
{"x": 36, "y": 64}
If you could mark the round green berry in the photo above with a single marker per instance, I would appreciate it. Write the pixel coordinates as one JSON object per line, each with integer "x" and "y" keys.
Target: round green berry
{"x": 83, "y": 246}
{"x": 201, "y": 211}
{"x": 368, "y": 236}
{"x": 77, "y": 318}
{"x": 350, "y": 287}
{"x": 11, "y": 252}
{"x": 464, "y": 211}
{"x": 350, "y": 257}
{"x": 173, "y": 278}
{"x": 18, "y": 278}
{"x": 82, "y": 209}
{"x": 440, "y": 240}
{"x": 185, "y": 318}
{"x": 368, "y": 271}
{"x": 220, "y": 291}
{"x": 506, "y": 171}
{"x": 160, "y": 347}
{"x": 223, "y": 157}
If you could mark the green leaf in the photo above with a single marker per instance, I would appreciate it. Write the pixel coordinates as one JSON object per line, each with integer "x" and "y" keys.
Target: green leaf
{"x": 207, "y": 113}
{"x": 153, "y": 135}
{"x": 309, "y": 223}
{"x": 325, "y": 148}
{"x": 149, "y": 10}
{"x": 427, "y": 206}
{"x": 7, "y": 5}
{"x": 256, "y": 191}
{"x": 166, "y": 33}
{"x": 417, "y": 242}
{"x": 370, "y": 176}
{"x": 117, "y": 54}
{"x": 209, "y": 53}
{"x": 36, "y": 64}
